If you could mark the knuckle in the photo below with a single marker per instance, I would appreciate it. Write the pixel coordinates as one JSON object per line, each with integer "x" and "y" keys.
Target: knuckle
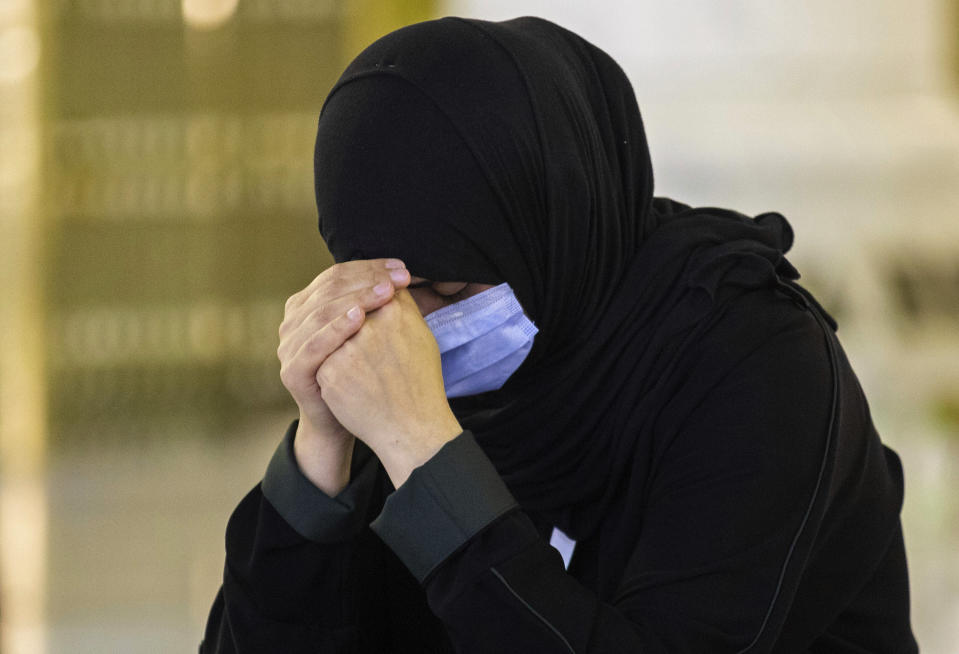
{"x": 369, "y": 297}
{"x": 317, "y": 299}
{"x": 317, "y": 318}
{"x": 318, "y": 343}
{"x": 331, "y": 288}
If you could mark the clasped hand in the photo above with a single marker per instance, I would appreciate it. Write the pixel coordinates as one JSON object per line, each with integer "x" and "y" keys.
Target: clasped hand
{"x": 365, "y": 362}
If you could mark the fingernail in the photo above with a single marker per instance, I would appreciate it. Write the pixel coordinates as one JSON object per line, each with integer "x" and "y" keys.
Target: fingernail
{"x": 395, "y": 263}
{"x": 398, "y": 276}
{"x": 353, "y": 314}
{"x": 382, "y": 288}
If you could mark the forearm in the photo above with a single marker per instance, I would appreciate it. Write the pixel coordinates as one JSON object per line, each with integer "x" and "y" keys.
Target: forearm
{"x": 488, "y": 575}
{"x": 507, "y": 591}
{"x": 498, "y": 586}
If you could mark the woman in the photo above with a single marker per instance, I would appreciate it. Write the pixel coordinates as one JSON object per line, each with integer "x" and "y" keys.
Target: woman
{"x": 641, "y": 383}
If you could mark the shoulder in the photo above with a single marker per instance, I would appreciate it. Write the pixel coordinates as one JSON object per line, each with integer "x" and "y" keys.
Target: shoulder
{"x": 755, "y": 397}
{"x": 761, "y": 344}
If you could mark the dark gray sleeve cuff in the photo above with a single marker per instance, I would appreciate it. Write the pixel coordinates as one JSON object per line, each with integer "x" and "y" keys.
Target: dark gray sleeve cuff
{"x": 312, "y": 513}
{"x": 444, "y": 502}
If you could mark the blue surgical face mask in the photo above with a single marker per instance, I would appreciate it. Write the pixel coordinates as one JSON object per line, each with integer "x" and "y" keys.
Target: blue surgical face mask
{"x": 483, "y": 340}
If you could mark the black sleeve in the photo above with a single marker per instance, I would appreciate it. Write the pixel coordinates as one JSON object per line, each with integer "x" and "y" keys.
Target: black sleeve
{"x": 723, "y": 540}
{"x": 493, "y": 581}
{"x": 304, "y": 572}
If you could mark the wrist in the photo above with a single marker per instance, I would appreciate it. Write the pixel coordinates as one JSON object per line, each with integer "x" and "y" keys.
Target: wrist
{"x": 410, "y": 449}
{"x": 323, "y": 457}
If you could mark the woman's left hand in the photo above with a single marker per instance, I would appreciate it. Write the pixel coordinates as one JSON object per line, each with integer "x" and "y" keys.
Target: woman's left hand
{"x": 385, "y": 385}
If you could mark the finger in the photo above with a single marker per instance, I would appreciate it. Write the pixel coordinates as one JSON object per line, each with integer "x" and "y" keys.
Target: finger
{"x": 293, "y": 335}
{"x": 343, "y": 282}
{"x": 299, "y": 372}
{"x": 341, "y": 288}
{"x": 346, "y": 270}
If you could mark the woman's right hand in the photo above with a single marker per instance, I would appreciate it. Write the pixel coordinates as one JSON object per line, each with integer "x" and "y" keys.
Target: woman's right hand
{"x": 315, "y": 324}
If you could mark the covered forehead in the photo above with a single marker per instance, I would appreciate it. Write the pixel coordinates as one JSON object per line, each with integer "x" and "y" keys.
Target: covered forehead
{"x": 395, "y": 179}
{"x": 404, "y": 149}
{"x": 483, "y": 152}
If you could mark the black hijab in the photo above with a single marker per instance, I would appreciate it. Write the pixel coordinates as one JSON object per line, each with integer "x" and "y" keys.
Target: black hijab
{"x": 514, "y": 151}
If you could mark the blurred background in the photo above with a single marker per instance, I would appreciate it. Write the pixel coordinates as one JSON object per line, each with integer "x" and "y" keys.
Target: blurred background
{"x": 156, "y": 210}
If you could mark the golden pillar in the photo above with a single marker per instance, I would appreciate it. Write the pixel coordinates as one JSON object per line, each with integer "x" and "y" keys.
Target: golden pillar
{"x": 23, "y": 502}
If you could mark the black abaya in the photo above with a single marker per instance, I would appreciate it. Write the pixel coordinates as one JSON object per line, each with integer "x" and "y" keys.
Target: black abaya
{"x": 687, "y": 413}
